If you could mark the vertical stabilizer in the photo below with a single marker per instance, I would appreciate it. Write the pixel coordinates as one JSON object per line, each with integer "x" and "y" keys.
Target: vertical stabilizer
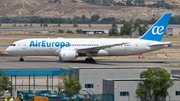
{"x": 156, "y": 32}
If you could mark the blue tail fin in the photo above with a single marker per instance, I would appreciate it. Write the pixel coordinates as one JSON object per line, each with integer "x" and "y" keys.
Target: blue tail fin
{"x": 156, "y": 32}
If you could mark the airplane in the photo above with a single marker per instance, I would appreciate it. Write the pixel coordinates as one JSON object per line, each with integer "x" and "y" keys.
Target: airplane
{"x": 68, "y": 49}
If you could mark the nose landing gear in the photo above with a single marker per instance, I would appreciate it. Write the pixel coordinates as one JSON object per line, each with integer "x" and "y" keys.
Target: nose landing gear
{"x": 21, "y": 58}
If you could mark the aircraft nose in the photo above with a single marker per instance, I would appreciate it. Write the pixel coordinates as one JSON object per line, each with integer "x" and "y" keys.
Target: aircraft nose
{"x": 8, "y": 50}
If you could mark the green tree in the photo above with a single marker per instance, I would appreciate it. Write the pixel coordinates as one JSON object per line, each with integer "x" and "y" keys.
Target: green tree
{"x": 161, "y": 4}
{"x": 93, "y": 2}
{"x": 70, "y": 84}
{"x": 60, "y": 31}
{"x": 75, "y": 24}
{"x": 107, "y": 2}
{"x": 143, "y": 29}
{"x": 94, "y": 18}
{"x": 89, "y": 25}
{"x": 136, "y": 24}
{"x": 135, "y": 3}
{"x": 5, "y": 84}
{"x": 69, "y": 31}
{"x": 126, "y": 29}
{"x": 25, "y": 25}
{"x": 79, "y": 31}
{"x": 129, "y": 3}
{"x": 155, "y": 84}
{"x": 14, "y": 25}
{"x": 114, "y": 30}
{"x": 83, "y": 18}
{"x": 31, "y": 25}
{"x": 0, "y": 25}
{"x": 45, "y": 24}
{"x": 146, "y": 24}
{"x": 140, "y": 2}
{"x": 59, "y": 25}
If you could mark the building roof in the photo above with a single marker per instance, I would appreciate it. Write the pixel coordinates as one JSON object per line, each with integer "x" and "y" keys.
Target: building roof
{"x": 35, "y": 72}
{"x": 125, "y": 79}
{"x": 94, "y": 29}
{"x": 120, "y": 67}
{"x": 173, "y": 26}
{"x": 134, "y": 79}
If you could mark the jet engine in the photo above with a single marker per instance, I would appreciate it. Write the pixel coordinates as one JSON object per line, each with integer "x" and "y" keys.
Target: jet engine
{"x": 67, "y": 55}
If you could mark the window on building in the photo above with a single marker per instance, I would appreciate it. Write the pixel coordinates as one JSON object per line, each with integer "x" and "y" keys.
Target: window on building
{"x": 89, "y": 86}
{"x": 178, "y": 93}
{"x": 124, "y": 93}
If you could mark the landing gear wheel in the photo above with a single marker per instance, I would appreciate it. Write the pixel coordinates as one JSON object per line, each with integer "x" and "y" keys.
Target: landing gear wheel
{"x": 89, "y": 60}
{"x": 92, "y": 60}
{"x": 21, "y": 59}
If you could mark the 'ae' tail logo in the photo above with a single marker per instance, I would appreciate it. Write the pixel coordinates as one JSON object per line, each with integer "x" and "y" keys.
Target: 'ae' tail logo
{"x": 157, "y": 30}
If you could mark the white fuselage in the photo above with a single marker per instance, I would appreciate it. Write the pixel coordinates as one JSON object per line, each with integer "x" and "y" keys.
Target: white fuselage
{"x": 49, "y": 48}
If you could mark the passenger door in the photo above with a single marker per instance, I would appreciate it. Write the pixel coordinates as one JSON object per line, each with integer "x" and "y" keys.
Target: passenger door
{"x": 128, "y": 48}
{"x": 24, "y": 45}
{"x": 135, "y": 45}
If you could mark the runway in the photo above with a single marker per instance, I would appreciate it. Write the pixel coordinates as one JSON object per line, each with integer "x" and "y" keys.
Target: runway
{"x": 4, "y": 45}
{"x": 39, "y": 62}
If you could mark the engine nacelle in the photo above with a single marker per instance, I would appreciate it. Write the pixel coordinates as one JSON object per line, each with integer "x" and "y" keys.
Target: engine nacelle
{"x": 67, "y": 55}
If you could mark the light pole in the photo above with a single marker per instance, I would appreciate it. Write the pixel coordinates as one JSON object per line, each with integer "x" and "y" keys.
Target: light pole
{"x": 169, "y": 97}
{"x": 115, "y": 87}
{"x": 84, "y": 89}
{"x": 98, "y": 87}
{"x": 128, "y": 96}
{"x": 22, "y": 83}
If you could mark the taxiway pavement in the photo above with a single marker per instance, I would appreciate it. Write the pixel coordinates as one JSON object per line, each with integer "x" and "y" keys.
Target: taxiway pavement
{"x": 41, "y": 62}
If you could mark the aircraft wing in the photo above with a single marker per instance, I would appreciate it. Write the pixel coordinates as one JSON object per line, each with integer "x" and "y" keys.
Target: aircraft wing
{"x": 97, "y": 48}
{"x": 160, "y": 44}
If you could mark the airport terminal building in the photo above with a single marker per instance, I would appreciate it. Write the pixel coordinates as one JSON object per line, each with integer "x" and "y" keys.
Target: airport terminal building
{"x": 120, "y": 81}
{"x": 124, "y": 89}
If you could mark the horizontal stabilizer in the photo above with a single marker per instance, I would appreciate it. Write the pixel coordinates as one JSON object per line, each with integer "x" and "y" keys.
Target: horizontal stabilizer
{"x": 160, "y": 44}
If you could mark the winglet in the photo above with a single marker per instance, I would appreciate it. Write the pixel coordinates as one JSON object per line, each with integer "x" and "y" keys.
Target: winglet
{"x": 156, "y": 32}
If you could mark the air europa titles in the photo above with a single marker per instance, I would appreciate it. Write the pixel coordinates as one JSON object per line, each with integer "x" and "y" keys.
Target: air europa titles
{"x": 44, "y": 43}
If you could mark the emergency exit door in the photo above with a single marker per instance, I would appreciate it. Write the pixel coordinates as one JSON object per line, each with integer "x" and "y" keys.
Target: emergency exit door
{"x": 135, "y": 45}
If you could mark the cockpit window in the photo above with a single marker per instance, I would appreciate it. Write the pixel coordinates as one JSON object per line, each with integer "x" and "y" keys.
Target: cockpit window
{"x": 13, "y": 45}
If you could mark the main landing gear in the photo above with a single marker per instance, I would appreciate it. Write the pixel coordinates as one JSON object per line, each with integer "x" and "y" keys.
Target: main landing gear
{"x": 90, "y": 60}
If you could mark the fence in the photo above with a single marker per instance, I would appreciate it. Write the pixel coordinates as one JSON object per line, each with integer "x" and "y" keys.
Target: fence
{"x": 53, "y": 96}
